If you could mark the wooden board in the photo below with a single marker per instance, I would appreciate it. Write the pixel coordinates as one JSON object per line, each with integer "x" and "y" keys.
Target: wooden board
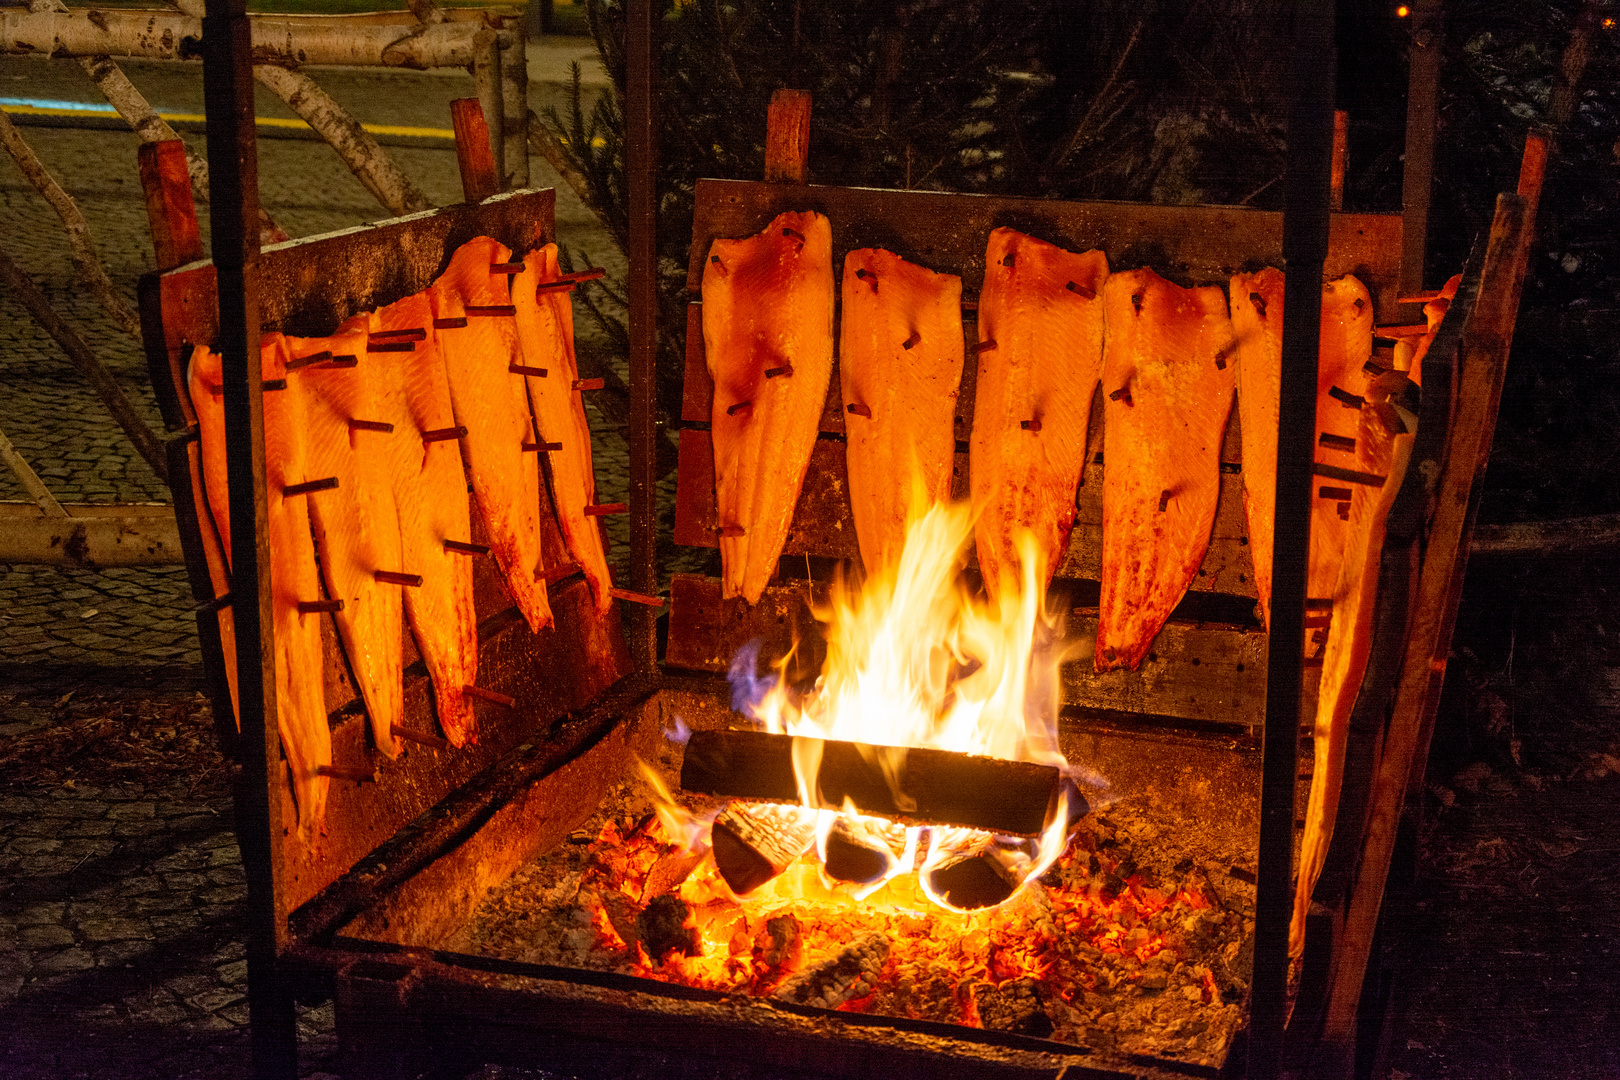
{"x": 1201, "y": 672}
{"x": 308, "y": 287}
{"x": 1188, "y": 244}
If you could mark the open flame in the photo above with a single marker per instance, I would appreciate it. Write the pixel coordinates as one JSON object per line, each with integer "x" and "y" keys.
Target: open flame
{"x": 915, "y": 658}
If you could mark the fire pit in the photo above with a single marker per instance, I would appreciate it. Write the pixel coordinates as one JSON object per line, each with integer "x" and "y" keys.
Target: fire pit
{"x": 885, "y": 851}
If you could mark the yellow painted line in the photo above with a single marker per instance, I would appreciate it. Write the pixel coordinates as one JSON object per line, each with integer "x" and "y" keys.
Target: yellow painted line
{"x": 264, "y": 121}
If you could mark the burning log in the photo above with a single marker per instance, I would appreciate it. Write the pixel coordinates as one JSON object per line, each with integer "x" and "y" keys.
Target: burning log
{"x": 935, "y": 787}
{"x": 862, "y": 851}
{"x": 851, "y": 974}
{"x": 753, "y": 844}
{"x": 983, "y": 875}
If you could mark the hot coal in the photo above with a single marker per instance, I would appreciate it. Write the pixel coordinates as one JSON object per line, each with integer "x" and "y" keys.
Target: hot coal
{"x": 663, "y": 926}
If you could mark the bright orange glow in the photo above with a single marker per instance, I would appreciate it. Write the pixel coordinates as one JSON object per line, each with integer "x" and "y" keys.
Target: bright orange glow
{"x": 1608, "y": 24}
{"x": 1402, "y": 12}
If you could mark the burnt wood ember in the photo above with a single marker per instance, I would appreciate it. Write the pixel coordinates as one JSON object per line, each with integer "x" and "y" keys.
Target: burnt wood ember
{"x": 782, "y": 944}
{"x": 851, "y": 974}
{"x": 662, "y": 927}
{"x": 753, "y": 844}
{"x": 1017, "y": 1007}
{"x": 862, "y": 851}
{"x": 937, "y": 787}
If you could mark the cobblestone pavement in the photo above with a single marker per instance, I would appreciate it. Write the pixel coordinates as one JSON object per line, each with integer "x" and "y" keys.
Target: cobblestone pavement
{"x": 121, "y": 906}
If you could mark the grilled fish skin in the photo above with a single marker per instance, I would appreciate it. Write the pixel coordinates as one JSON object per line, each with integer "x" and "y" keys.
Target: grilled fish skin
{"x": 1042, "y": 306}
{"x": 306, "y": 739}
{"x": 493, "y": 405}
{"x": 357, "y": 523}
{"x": 1383, "y": 448}
{"x": 900, "y": 355}
{"x": 1346, "y": 347}
{"x": 1166, "y": 405}
{"x": 767, "y": 303}
{"x": 430, "y": 494}
{"x": 545, "y": 326}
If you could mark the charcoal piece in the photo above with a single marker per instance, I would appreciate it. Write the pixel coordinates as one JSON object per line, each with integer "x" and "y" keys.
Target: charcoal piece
{"x": 862, "y": 851}
{"x": 783, "y": 945}
{"x": 849, "y": 975}
{"x": 662, "y": 927}
{"x": 936, "y": 786}
{"x": 1015, "y": 1007}
{"x": 753, "y": 844}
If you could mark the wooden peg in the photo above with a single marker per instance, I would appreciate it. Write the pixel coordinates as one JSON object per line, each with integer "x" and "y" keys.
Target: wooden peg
{"x": 794, "y": 233}
{"x": 1081, "y": 290}
{"x": 637, "y": 598}
{"x": 1349, "y": 476}
{"x": 773, "y": 372}
{"x": 506, "y": 268}
{"x": 449, "y": 324}
{"x": 1030, "y": 425}
{"x": 1123, "y": 396}
{"x": 525, "y": 369}
{"x": 589, "y": 384}
{"x": 394, "y": 577}
{"x": 912, "y": 341}
{"x": 737, "y": 407}
{"x": 1164, "y": 500}
{"x": 720, "y": 267}
{"x": 490, "y": 311}
{"x": 306, "y": 361}
{"x": 444, "y": 434}
{"x": 731, "y": 530}
{"x": 461, "y": 547}
{"x": 318, "y": 607}
{"x": 413, "y": 333}
{"x": 489, "y": 695}
{"x": 272, "y": 385}
{"x": 418, "y": 737}
{"x": 541, "y": 447}
{"x": 1336, "y": 442}
{"x": 223, "y": 600}
{"x": 1346, "y": 398}
{"x": 1334, "y": 494}
{"x": 555, "y": 573}
{"x": 859, "y": 409}
{"x": 309, "y": 486}
{"x": 982, "y": 346}
{"x": 343, "y": 362}
{"x": 359, "y": 776}
{"x": 371, "y": 425}
{"x": 390, "y": 346}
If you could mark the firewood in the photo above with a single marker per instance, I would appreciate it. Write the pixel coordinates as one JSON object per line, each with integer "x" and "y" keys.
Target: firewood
{"x": 937, "y": 787}
{"x": 983, "y": 875}
{"x": 753, "y": 844}
{"x": 862, "y": 851}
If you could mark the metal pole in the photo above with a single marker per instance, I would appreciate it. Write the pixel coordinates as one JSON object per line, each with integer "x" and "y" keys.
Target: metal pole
{"x": 1422, "y": 113}
{"x": 234, "y": 219}
{"x": 641, "y": 161}
{"x": 1306, "y": 193}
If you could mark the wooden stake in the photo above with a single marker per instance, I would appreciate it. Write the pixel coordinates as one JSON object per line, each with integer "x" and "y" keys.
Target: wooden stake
{"x": 479, "y": 177}
{"x": 1341, "y": 142}
{"x": 394, "y": 577}
{"x": 444, "y": 434}
{"x": 318, "y": 607}
{"x": 461, "y": 547}
{"x": 171, "y": 212}
{"x": 524, "y": 369}
{"x": 299, "y": 362}
{"x": 787, "y": 138}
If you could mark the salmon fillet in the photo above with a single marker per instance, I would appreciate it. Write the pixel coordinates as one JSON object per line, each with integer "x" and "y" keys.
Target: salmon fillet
{"x": 767, "y": 306}
{"x": 1168, "y": 397}
{"x": 545, "y": 326}
{"x": 493, "y": 405}
{"x": 430, "y": 495}
{"x": 306, "y": 738}
{"x": 1383, "y": 448}
{"x": 1345, "y": 349}
{"x": 1042, "y": 307}
{"x": 1409, "y": 352}
{"x": 900, "y": 358}
{"x": 356, "y": 524}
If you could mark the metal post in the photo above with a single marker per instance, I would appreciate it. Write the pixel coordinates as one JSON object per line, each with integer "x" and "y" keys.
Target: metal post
{"x": 641, "y": 161}
{"x": 1305, "y": 238}
{"x": 234, "y": 220}
{"x": 1422, "y": 113}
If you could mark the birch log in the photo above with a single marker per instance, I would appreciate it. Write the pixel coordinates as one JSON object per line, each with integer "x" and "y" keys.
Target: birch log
{"x": 86, "y": 261}
{"x": 513, "y": 41}
{"x": 397, "y": 40}
{"x": 357, "y": 147}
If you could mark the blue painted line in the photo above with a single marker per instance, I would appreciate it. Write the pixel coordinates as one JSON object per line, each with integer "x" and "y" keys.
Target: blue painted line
{"x": 71, "y": 106}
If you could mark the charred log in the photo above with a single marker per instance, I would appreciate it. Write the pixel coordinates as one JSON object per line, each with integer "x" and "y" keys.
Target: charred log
{"x": 935, "y": 787}
{"x": 851, "y": 974}
{"x": 862, "y": 851}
